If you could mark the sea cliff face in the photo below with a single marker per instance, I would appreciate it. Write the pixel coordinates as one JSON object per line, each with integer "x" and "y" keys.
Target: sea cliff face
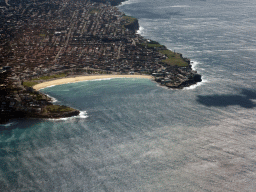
{"x": 132, "y": 25}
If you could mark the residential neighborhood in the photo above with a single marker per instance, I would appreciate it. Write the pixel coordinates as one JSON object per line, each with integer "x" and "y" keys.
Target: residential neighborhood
{"x": 78, "y": 37}
{"x": 45, "y": 37}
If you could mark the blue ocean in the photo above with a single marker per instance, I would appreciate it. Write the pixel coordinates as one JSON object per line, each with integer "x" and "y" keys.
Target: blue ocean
{"x": 134, "y": 135}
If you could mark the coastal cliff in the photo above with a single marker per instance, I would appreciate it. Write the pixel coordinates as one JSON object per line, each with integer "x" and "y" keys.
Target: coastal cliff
{"x": 130, "y": 23}
{"x": 176, "y": 71}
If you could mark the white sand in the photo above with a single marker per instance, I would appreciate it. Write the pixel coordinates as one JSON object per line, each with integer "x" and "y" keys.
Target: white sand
{"x": 84, "y": 78}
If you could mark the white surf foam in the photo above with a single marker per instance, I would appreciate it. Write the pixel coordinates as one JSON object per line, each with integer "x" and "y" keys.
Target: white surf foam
{"x": 54, "y": 100}
{"x": 48, "y": 86}
{"x": 82, "y": 115}
{"x": 196, "y": 85}
{"x": 194, "y": 64}
{"x": 141, "y": 29}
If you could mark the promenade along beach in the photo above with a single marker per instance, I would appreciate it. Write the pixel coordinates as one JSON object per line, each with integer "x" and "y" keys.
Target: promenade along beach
{"x": 84, "y": 78}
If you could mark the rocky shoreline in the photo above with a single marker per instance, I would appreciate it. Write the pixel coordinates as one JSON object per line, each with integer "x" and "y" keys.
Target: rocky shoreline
{"x": 185, "y": 75}
{"x": 18, "y": 101}
{"x": 55, "y": 115}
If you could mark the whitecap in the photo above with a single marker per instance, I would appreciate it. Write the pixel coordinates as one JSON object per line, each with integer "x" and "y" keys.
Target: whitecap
{"x": 196, "y": 85}
{"x": 61, "y": 119}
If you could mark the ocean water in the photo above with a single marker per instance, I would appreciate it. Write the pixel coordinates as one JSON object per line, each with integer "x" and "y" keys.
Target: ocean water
{"x": 134, "y": 135}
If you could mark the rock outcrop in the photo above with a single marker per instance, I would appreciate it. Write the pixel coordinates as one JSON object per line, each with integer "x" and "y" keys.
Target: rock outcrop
{"x": 17, "y": 101}
{"x": 133, "y": 25}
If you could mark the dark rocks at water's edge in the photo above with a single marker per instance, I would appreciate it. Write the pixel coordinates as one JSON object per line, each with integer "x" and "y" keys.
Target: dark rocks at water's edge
{"x": 18, "y": 101}
{"x": 7, "y": 116}
{"x": 133, "y": 25}
{"x": 177, "y": 77}
{"x": 57, "y": 114}
{"x": 112, "y": 2}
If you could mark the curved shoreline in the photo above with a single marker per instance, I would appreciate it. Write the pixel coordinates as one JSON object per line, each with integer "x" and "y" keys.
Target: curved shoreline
{"x": 84, "y": 78}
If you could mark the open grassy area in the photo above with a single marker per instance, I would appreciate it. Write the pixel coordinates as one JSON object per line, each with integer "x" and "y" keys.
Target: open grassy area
{"x": 173, "y": 58}
{"x": 51, "y": 77}
{"x": 152, "y": 44}
{"x": 58, "y": 108}
{"x": 128, "y": 20}
{"x": 93, "y": 11}
{"x": 29, "y": 83}
{"x": 34, "y": 81}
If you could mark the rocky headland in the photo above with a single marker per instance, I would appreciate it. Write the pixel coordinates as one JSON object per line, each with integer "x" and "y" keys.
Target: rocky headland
{"x": 18, "y": 101}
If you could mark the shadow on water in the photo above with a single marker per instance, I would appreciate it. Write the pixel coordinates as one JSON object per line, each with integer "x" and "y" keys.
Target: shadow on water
{"x": 244, "y": 99}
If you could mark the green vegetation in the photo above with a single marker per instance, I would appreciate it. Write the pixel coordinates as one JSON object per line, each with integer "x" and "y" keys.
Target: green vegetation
{"x": 58, "y": 108}
{"x": 128, "y": 20}
{"x": 34, "y": 81}
{"x": 42, "y": 35}
{"x": 173, "y": 58}
{"x": 29, "y": 83}
{"x": 93, "y": 11}
{"x": 51, "y": 77}
{"x": 152, "y": 44}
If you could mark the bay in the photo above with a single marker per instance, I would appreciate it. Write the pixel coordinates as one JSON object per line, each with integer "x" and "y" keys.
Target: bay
{"x": 134, "y": 135}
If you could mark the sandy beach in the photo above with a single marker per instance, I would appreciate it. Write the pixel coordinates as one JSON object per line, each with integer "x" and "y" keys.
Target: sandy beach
{"x": 84, "y": 78}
